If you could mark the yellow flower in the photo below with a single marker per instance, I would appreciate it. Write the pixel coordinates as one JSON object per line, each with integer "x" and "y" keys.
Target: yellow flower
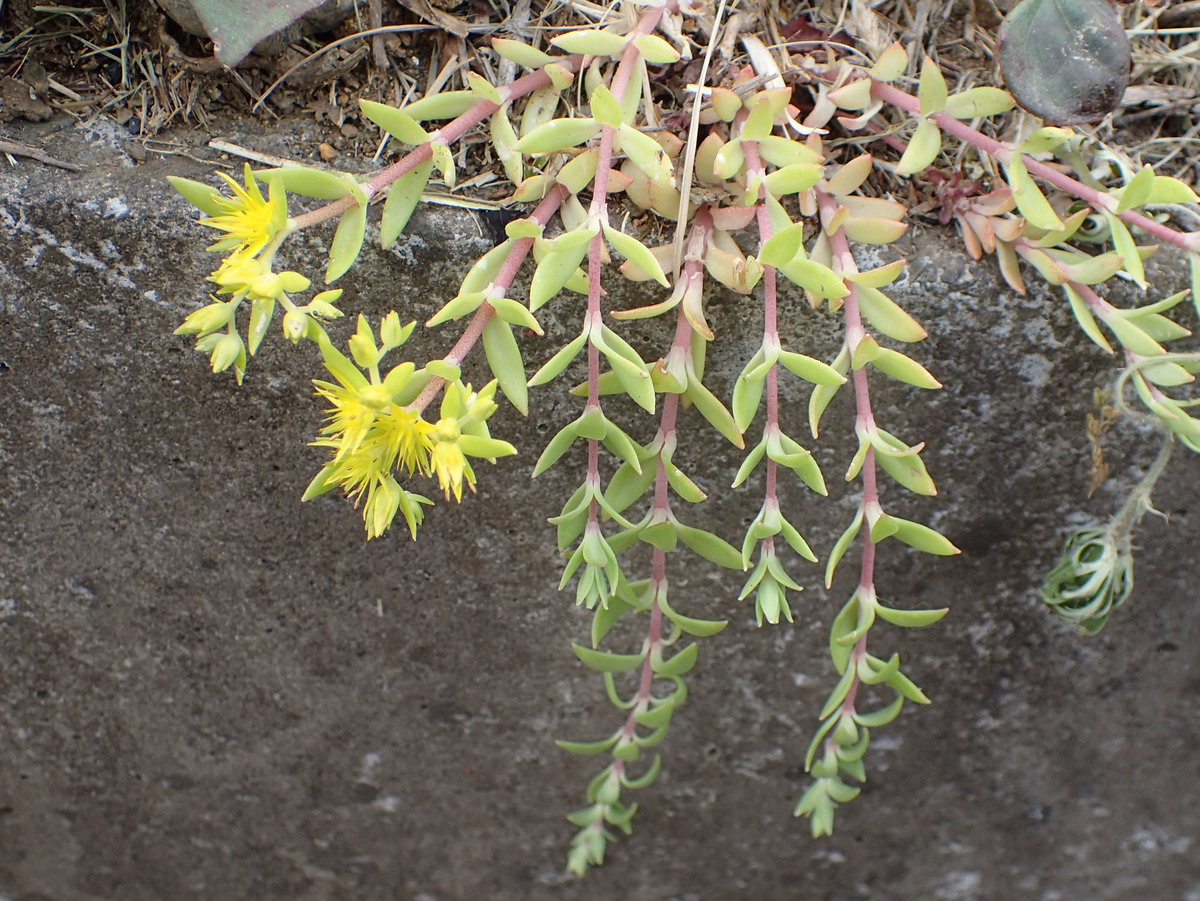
{"x": 248, "y": 219}
{"x": 349, "y": 419}
{"x": 242, "y": 275}
{"x": 448, "y": 461}
{"x": 405, "y": 436}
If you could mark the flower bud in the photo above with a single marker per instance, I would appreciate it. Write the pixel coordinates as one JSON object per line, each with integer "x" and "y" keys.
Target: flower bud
{"x": 377, "y": 397}
{"x": 206, "y": 320}
{"x": 268, "y": 285}
{"x": 295, "y": 324}
{"x": 228, "y": 349}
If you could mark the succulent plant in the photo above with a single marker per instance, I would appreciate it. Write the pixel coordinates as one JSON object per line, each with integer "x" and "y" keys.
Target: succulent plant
{"x": 1066, "y": 61}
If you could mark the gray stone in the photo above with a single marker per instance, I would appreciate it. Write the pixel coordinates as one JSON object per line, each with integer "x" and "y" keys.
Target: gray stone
{"x": 217, "y": 692}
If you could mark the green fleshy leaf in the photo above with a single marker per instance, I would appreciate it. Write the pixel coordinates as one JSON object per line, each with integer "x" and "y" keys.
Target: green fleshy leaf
{"x": 400, "y": 125}
{"x": 443, "y": 105}
{"x": 627, "y": 485}
{"x": 839, "y": 694}
{"x": 644, "y": 780}
{"x": 709, "y": 546}
{"x": 886, "y": 315}
{"x": 714, "y": 411}
{"x": 910, "y": 618}
{"x": 558, "y": 134}
{"x": 923, "y": 148}
{"x": 588, "y": 748}
{"x": 604, "y": 662}
{"x": 701, "y": 628}
{"x": 637, "y": 253}
{"x": 661, "y": 535}
{"x": 811, "y": 370}
{"x": 309, "y": 182}
{"x": 931, "y": 90}
{"x": 1086, "y": 320}
{"x": 907, "y": 688}
{"x": 403, "y": 197}
{"x": 822, "y": 394}
{"x": 842, "y": 545}
{"x": 782, "y": 247}
{"x": 752, "y": 460}
{"x": 556, "y": 448}
{"x": 976, "y": 102}
{"x": 504, "y": 359}
{"x": 646, "y": 154}
{"x": 880, "y": 717}
{"x": 843, "y": 624}
{"x": 201, "y": 196}
{"x": 515, "y": 313}
{"x": 681, "y": 663}
{"x": 655, "y": 717}
{"x": 684, "y": 487}
{"x": 1125, "y": 246}
{"x": 260, "y": 320}
{"x": 904, "y": 369}
{"x": 922, "y": 538}
{"x": 557, "y": 363}
{"x": 815, "y": 277}
{"x": 1030, "y": 200}
{"x": 347, "y": 242}
{"x": 558, "y": 265}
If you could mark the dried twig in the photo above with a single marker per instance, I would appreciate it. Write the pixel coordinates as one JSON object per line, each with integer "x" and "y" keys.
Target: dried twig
{"x": 18, "y": 149}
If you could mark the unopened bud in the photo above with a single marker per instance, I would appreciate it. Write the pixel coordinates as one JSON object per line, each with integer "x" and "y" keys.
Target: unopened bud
{"x": 295, "y": 324}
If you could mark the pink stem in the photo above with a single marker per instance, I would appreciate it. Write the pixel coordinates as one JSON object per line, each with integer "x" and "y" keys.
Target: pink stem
{"x": 662, "y": 501}
{"x": 599, "y": 211}
{"x": 1003, "y": 152}
{"x": 854, "y": 333}
{"x": 508, "y": 271}
{"x": 754, "y": 166}
{"x": 448, "y": 133}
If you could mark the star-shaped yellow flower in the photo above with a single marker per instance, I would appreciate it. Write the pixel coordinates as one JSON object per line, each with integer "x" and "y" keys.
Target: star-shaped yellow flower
{"x": 248, "y": 219}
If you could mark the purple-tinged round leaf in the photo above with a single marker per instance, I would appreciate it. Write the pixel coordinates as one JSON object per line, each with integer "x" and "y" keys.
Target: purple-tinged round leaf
{"x": 1066, "y": 61}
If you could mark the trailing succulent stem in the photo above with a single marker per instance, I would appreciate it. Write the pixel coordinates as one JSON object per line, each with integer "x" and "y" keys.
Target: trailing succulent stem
{"x": 579, "y": 139}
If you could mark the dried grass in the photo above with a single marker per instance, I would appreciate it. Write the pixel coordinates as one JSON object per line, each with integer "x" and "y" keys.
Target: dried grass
{"x": 121, "y": 61}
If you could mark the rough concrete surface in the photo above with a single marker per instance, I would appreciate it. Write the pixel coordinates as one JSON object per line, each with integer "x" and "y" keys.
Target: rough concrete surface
{"x": 215, "y": 692}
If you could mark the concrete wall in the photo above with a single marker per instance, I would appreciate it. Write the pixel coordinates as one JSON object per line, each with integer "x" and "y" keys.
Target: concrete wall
{"x": 215, "y": 692}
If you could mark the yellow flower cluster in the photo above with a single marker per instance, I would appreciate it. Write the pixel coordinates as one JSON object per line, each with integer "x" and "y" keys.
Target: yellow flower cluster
{"x": 254, "y": 226}
{"x": 374, "y": 436}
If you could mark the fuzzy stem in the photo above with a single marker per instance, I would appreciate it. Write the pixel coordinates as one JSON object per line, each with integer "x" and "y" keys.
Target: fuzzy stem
{"x": 1003, "y": 152}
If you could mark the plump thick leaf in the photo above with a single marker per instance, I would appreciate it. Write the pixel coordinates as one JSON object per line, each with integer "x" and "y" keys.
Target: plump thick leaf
{"x": 347, "y": 242}
{"x": 604, "y": 662}
{"x": 1029, "y": 197}
{"x": 931, "y": 90}
{"x": 979, "y": 102}
{"x": 592, "y": 42}
{"x": 1067, "y": 61}
{"x": 681, "y": 663}
{"x": 504, "y": 359}
{"x": 201, "y": 196}
{"x": 403, "y": 197}
{"x": 398, "y": 124}
{"x": 235, "y": 26}
{"x": 923, "y": 148}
